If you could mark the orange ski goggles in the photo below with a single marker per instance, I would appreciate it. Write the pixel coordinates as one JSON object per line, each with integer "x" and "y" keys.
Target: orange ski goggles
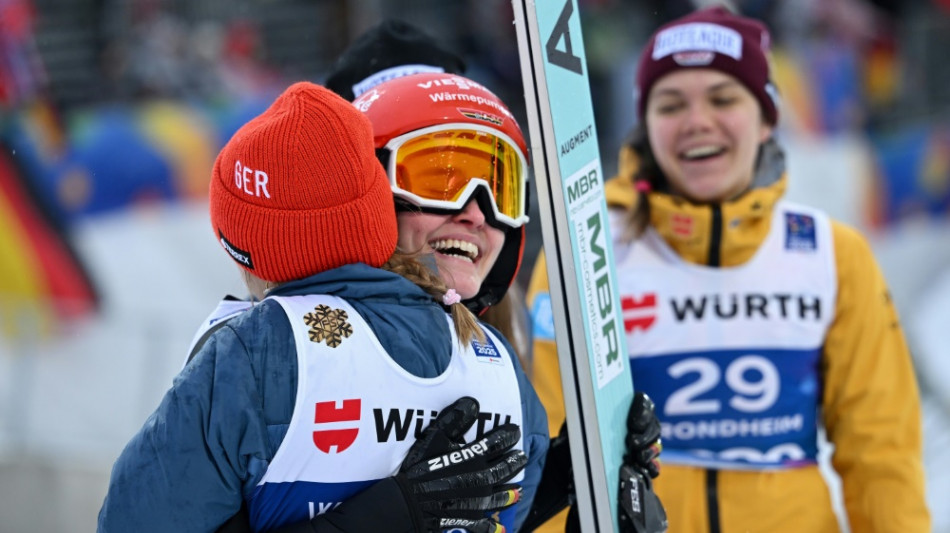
{"x": 441, "y": 167}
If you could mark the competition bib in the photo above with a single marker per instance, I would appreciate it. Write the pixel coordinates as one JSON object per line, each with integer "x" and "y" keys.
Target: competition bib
{"x": 357, "y": 411}
{"x": 731, "y": 355}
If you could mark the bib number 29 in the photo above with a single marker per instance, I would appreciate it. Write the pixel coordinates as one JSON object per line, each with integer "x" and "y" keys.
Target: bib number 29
{"x": 752, "y": 380}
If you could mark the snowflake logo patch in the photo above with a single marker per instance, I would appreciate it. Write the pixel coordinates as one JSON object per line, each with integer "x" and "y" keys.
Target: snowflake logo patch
{"x": 328, "y": 325}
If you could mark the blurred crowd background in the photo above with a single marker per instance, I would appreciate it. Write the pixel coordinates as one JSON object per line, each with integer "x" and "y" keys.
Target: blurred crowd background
{"x": 112, "y": 111}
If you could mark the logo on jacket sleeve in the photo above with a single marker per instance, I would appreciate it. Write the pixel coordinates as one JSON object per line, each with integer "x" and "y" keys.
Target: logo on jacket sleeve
{"x": 638, "y": 313}
{"x": 328, "y": 325}
{"x": 800, "y": 232}
{"x": 332, "y": 416}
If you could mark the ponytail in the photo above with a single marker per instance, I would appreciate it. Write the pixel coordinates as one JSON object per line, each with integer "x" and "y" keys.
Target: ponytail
{"x": 409, "y": 267}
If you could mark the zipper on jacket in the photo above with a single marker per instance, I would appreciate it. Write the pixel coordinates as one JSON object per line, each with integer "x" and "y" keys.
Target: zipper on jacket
{"x": 715, "y": 236}
{"x": 712, "y": 476}
{"x": 712, "y": 500}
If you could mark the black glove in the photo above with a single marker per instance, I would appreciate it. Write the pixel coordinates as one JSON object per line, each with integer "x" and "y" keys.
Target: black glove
{"x": 453, "y": 484}
{"x": 643, "y": 436}
{"x": 640, "y": 509}
{"x": 443, "y": 483}
{"x": 639, "y": 506}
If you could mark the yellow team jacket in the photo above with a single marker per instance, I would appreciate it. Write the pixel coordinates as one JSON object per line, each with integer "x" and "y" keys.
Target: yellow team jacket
{"x": 870, "y": 404}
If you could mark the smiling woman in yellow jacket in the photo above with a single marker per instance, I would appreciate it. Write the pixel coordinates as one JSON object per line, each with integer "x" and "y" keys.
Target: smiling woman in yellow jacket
{"x": 751, "y": 321}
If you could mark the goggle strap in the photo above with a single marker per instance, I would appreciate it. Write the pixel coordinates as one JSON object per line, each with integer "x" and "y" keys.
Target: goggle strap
{"x": 481, "y": 196}
{"x": 383, "y": 155}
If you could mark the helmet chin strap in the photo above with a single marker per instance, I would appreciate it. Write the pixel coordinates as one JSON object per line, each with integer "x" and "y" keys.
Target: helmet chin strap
{"x": 481, "y": 302}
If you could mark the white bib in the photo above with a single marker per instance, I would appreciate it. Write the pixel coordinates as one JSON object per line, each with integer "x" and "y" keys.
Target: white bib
{"x": 357, "y": 411}
{"x": 731, "y": 355}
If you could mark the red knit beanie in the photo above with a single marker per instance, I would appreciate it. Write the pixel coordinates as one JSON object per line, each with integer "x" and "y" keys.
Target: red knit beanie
{"x": 711, "y": 38}
{"x": 298, "y": 189}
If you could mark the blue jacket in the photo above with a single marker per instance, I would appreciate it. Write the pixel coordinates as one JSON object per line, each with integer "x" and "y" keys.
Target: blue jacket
{"x": 210, "y": 440}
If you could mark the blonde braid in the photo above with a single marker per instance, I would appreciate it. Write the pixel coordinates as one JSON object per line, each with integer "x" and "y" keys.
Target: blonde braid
{"x": 409, "y": 267}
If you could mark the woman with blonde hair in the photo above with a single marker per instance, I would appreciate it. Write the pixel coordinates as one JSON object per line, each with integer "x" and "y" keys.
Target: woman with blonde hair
{"x": 349, "y": 397}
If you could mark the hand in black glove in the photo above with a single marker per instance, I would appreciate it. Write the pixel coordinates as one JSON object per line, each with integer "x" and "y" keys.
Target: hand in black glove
{"x": 443, "y": 483}
{"x": 643, "y": 436}
{"x": 454, "y": 484}
{"x": 640, "y": 509}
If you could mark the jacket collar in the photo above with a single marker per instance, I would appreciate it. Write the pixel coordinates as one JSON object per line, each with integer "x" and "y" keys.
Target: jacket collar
{"x": 731, "y": 231}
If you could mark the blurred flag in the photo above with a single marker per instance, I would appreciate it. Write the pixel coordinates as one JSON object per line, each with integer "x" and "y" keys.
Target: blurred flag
{"x": 42, "y": 282}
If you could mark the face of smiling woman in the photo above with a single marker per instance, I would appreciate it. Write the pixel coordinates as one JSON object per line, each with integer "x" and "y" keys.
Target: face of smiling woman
{"x": 705, "y": 129}
{"x": 465, "y": 246}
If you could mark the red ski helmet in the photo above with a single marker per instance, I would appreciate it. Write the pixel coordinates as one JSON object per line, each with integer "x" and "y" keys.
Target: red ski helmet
{"x": 445, "y": 140}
